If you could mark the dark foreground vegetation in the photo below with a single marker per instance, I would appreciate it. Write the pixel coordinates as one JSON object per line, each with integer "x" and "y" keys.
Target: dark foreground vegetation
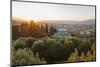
{"x": 29, "y": 50}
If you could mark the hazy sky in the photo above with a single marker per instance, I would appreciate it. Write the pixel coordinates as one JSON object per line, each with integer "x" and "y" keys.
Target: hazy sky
{"x": 43, "y": 11}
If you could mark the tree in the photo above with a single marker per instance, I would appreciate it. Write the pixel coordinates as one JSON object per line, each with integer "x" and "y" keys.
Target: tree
{"x": 35, "y": 30}
{"x": 83, "y": 57}
{"x": 42, "y": 28}
{"x": 50, "y": 50}
{"x": 24, "y": 29}
{"x": 84, "y": 46}
{"x": 19, "y": 43}
{"x": 52, "y": 30}
{"x": 29, "y": 41}
{"x": 38, "y": 47}
{"x": 74, "y": 56}
{"x": 76, "y": 42}
{"x": 94, "y": 56}
{"x": 16, "y": 32}
{"x": 46, "y": 28}
{"x": 55, "y": 51}
{"x": 31, "y": 27}
{"x": 25, "y": 56}
{"x": 89, "y": 56}
{"x": 93, "y": 49}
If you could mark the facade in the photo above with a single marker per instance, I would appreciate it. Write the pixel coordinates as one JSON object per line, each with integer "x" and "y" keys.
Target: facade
{"x": 61, "y": 32}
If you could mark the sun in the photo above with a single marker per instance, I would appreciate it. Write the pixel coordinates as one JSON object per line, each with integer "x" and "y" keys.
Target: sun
{"x": 36, "y": 21}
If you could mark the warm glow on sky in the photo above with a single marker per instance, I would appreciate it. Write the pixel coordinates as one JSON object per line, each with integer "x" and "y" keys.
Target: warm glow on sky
{"x": 43, "y": 11}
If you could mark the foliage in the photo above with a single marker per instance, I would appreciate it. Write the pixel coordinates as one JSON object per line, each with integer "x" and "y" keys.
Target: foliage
{"x": 51, "y": 50}
{"x": 89, "y": 56}
{"x": 19, "y": 43}
{"x": 74, "y": 56}
{"x": 30, "y": 41}
{"x": 25, "y": 56}
{"x": 29, "y": 50}
{"x": 83, "y": 57}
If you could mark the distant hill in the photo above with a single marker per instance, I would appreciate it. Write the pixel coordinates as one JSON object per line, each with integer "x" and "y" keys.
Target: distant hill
{"x": 87, "y": 22}
{"x": 18, "y": 21}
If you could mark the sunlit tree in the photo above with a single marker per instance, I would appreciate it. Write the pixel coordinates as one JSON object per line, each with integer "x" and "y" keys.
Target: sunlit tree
{"x": 83, "y": 57}
{"x": 74, "y": 56}
{"x": 89, "y": 56}
{"x": 93, "y": 49}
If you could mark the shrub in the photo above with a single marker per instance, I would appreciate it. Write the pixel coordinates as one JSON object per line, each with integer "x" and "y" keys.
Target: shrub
{"x": 25, "y": 56}
{"x": 19, "y": 43}
{"x": 29, "y": 41}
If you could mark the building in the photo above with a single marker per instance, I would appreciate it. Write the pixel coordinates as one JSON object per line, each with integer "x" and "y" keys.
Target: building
{"x": 61, "y": 32}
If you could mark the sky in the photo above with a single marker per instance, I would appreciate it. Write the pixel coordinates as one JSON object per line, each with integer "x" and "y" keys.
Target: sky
{"x": 44, "y": 11}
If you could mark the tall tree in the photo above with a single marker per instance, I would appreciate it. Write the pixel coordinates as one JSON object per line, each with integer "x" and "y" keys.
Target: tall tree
{"x": 46, "y": 28}
{"x": 16, "y": 32}
{"x": 52, "y": 30}
{"x": 24, "y": 29}
{"x": 32, "y": 28}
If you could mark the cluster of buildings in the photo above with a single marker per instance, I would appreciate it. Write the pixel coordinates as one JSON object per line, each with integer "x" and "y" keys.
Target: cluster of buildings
{"x": 63, "y": 31}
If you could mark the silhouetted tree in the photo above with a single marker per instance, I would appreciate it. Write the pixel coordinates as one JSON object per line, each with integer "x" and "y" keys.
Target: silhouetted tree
{"x": 46, "y": 28}
{"x": 52, "y": 30}
{"x": 32, "y": 28}
{"x": 24, "y": 29}
{"x": 16, "y": 32}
